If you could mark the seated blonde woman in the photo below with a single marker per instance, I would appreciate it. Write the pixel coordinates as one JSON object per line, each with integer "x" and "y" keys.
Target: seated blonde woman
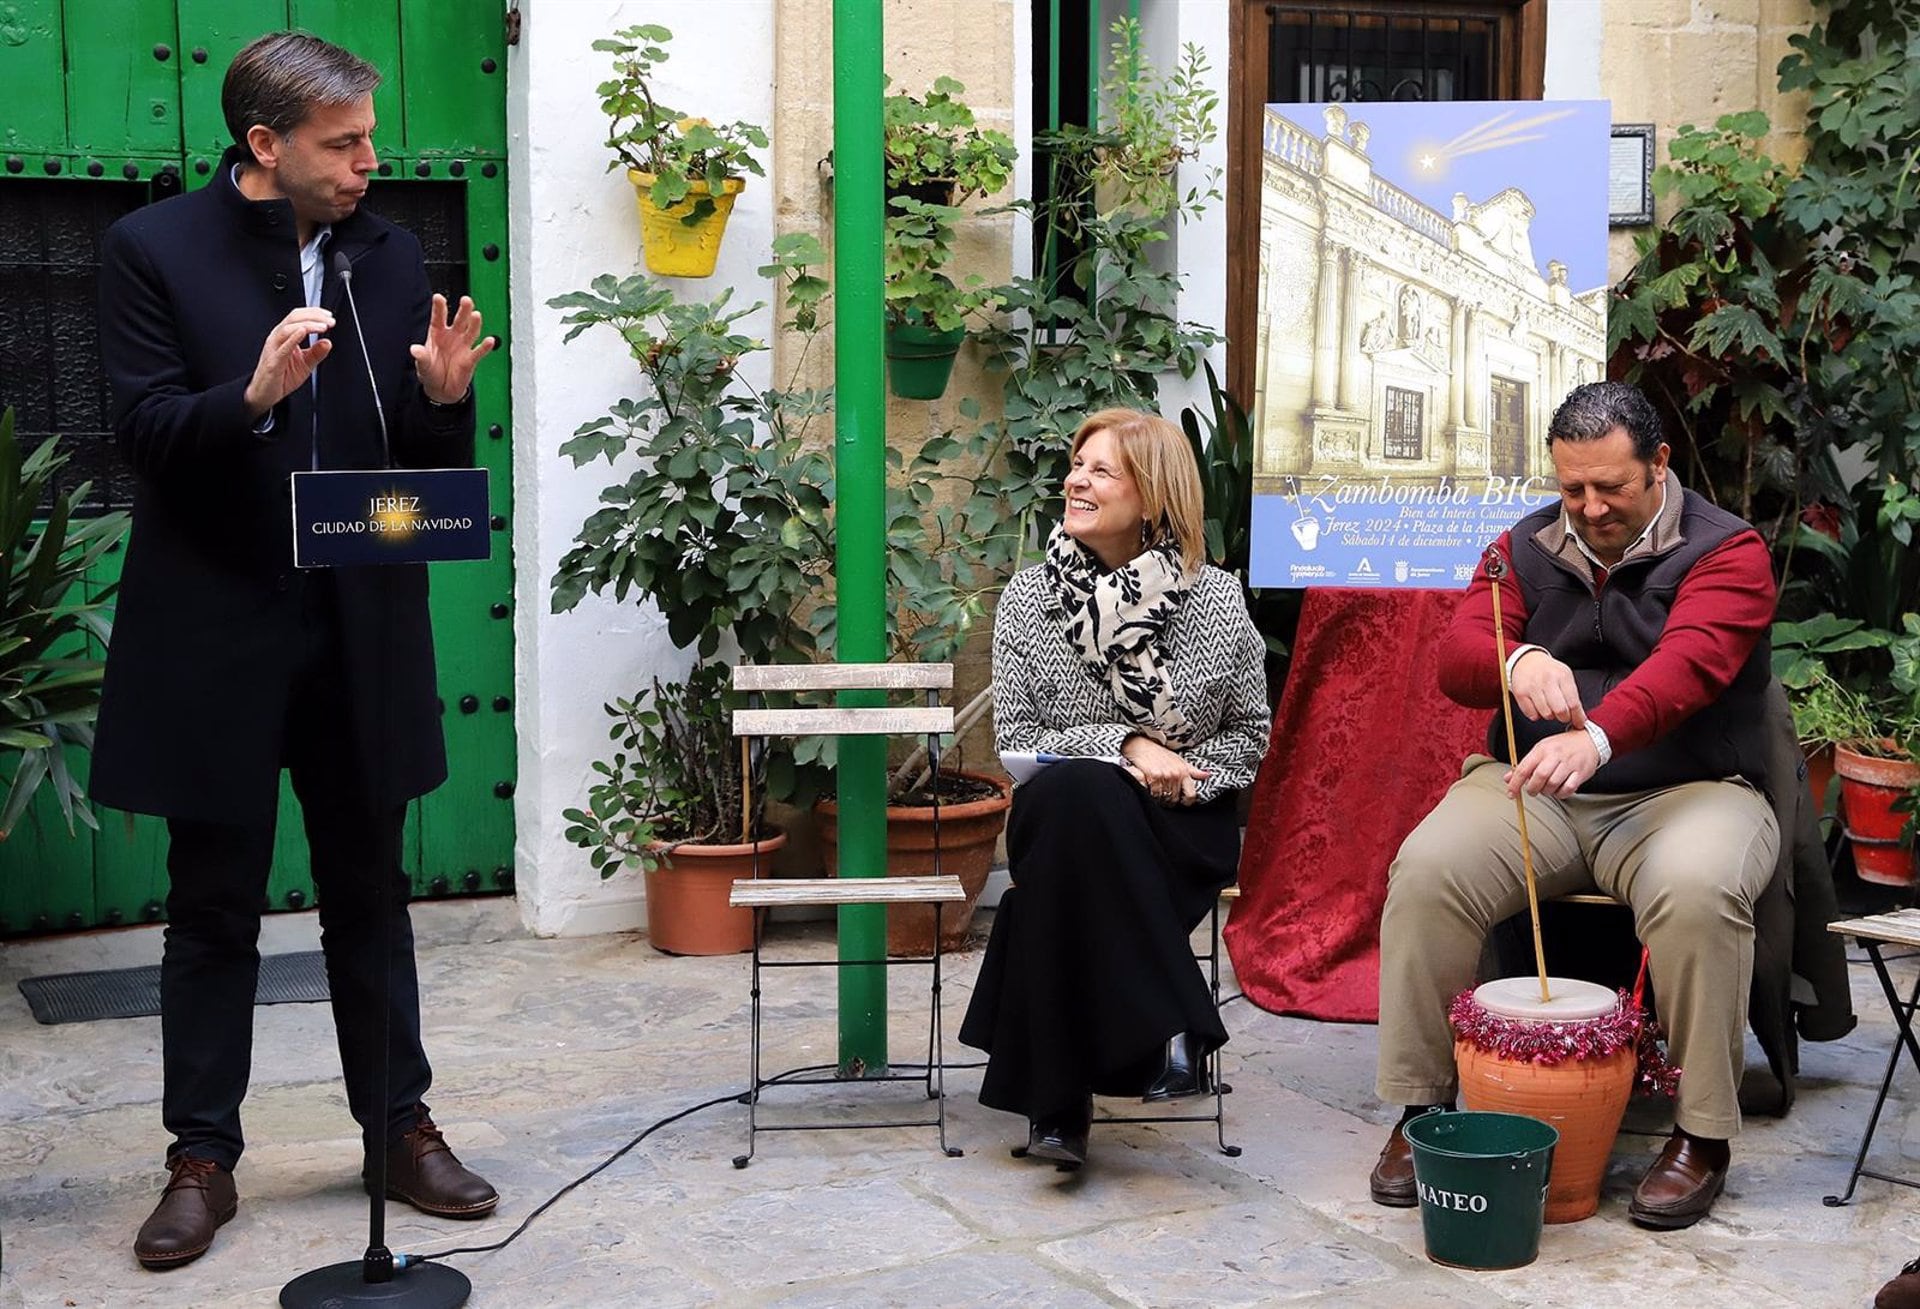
{"x": 1125, "y": 652}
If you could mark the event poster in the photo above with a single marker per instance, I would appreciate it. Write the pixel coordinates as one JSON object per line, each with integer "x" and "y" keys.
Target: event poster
{"x": 1433, "y": 281}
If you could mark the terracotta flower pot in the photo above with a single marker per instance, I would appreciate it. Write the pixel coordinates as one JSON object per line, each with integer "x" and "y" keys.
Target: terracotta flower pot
{"x": 968, "y": 835}
{"x": 1868, "y": 787}
{"x": 687, "y": 909}
{"x": 1583, "y": 1098}
{"x": 1819, "y": 776}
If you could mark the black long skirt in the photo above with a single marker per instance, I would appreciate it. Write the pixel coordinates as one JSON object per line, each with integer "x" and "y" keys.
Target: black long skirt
{"x": 1089, "y": 972}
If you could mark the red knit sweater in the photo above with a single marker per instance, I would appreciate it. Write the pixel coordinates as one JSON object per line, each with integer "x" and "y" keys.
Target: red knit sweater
{"x": 1724, "y": 605}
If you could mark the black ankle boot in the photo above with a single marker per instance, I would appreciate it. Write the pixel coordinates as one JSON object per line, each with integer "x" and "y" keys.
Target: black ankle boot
{"x": 1182, "y": 1074}
{"x": 1061, "y": 1137}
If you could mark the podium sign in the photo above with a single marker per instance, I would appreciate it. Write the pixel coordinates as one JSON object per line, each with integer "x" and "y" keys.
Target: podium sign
{"x": 390, "y": 516}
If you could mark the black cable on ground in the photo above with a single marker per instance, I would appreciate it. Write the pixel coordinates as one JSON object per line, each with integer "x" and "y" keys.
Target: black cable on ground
{"x": 402, "y": 1260}
{"x": 732, "y": 1097}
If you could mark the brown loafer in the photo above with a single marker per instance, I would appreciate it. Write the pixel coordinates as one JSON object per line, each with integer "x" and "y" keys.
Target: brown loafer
{"x": 1681, "y": 1186}
{"x": 1903, "y": 1292}
{"x": 422, "y": 1170}
{"x": 198, "y": 1198}
{"x": 1391, "y": 1182}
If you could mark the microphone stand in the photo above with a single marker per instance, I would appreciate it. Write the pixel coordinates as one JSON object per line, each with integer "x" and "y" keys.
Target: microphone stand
{"x": 375, "y": 1278}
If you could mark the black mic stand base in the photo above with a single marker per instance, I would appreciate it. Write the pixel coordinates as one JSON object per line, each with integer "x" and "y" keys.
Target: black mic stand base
{"x": 419, "y": 1286}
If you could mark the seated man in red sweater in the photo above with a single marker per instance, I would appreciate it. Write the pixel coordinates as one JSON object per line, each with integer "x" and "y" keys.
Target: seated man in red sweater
{"x": 1636, "y": 614}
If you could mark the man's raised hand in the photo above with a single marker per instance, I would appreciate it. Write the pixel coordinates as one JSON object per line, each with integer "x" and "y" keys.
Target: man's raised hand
{"x": 452, "y": 350}
{"x": 286, "y": 360}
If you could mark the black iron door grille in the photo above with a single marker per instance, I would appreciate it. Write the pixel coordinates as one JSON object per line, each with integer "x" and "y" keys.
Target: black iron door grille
{"x": 1380, "y": 53}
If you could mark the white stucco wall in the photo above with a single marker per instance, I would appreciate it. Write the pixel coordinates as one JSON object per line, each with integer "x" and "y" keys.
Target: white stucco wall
{"x": 1200, "y": 247}
{"x": 571, "y": 220}
{"x": 1575, "y": 30}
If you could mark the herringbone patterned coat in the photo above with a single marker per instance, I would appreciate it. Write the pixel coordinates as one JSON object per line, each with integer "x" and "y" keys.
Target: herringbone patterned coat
{"x": 1046, "y": 700}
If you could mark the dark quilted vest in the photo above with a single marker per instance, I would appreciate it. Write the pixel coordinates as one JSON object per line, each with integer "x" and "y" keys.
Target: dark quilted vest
{"x": 1603, "y": 638}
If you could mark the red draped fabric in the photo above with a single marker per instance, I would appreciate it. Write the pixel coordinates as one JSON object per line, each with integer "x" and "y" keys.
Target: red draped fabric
{"x": 1363, "y": 746}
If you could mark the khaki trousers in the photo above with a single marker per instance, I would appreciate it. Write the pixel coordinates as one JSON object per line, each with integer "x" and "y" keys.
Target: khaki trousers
{"x": 1689, "y": 860}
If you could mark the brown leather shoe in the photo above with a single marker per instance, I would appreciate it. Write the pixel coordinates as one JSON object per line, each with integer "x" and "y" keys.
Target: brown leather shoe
{"x": 1682, "y": 1184}
{"x": 198, "y": 1198}
{"x": 422, "y": 1170}
{"x": 1391, "y": 1181}
{"x": 1903, "y": 1292}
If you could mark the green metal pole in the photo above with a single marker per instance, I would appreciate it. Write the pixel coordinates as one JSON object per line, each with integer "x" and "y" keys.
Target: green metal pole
{"x": 860, "y": 476}
{"x": 1053, "y": 65}
{"x": 1096, "y": 63}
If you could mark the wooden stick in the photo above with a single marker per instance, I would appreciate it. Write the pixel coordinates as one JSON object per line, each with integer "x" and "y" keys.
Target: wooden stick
{"x": 1496, "y": 571}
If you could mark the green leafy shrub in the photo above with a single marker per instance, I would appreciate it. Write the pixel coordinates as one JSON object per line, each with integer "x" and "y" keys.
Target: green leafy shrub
{"x": 52, "y": 630}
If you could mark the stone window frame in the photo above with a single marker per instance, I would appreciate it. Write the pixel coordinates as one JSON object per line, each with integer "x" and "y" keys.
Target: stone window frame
{"x": 1410, "y": 442}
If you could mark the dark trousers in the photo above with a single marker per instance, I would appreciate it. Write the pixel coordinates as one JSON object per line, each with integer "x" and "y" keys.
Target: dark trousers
{"x": 218, "y": 873}
{"x": 1088, "y": 971}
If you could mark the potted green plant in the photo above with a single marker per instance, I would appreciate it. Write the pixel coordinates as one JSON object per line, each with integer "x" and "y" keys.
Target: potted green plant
{"x": 937, "y": 152}
{"x": 671, "y": 803}
{"x": 1880, "y": 769}
{"x": 723, "y": 520}
{"x": 936, "y": 159}
{"x": 685, "y": 170}
{"x": 1826, "y": 713}
{"x": 1855, "y": 693}
{"x": 723, "y": 523}
{"x": 926, "y": 311}
{"x": 1858, "y": 559}
{"x": 1150, "y": 122}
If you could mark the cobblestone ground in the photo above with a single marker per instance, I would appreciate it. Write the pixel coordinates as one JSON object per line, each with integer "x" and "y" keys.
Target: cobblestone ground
{"x": 550, "y": 1055}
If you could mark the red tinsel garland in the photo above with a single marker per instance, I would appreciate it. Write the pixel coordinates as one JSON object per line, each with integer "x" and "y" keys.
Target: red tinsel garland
{"x": 1531, "y": 1041}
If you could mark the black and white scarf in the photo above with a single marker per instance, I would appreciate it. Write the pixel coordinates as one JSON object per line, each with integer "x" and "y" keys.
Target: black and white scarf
{"x": 1114, "y": 622}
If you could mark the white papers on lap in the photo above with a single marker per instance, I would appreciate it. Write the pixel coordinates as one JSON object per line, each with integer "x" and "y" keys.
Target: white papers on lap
{"x": 1023, "y": 764}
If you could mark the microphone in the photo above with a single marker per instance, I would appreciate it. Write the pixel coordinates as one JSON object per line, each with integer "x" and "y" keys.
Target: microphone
{"x": 343, "y": 269}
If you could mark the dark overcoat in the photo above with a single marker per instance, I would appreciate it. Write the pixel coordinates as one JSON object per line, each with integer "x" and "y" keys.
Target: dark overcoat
{"x": 210, "y": 619}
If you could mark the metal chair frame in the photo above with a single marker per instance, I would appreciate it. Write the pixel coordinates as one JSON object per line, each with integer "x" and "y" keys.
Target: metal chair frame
{"x": 760, "y": 895}
{"x": 1221, "y": 1088}
{"x": 1900, "y": 928}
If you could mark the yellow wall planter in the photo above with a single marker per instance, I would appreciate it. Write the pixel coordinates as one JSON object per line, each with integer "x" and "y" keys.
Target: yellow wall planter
{"x": 675, "y": 248}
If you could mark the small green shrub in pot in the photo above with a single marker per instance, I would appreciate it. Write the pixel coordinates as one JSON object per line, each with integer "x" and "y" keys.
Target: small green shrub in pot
{"x": 936, "y": 160}
{"x": 673, "y": 777}
{"x": 720, "y": 515}
{"x": 933, "y": 144}
{"x": 1150, "y": 123}
{"x": 674, "y": 148}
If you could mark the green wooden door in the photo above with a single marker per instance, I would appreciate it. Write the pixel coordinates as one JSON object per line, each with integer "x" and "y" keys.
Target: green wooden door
{"x": 115, "y": 103}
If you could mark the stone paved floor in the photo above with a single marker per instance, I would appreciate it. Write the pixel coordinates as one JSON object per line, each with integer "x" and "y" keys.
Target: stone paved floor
{"x": 551, "y": 1054}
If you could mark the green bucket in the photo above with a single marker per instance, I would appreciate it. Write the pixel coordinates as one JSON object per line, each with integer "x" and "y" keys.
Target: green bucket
{"x": 920, "y": 359}
{"x": 1482, "y": 1180}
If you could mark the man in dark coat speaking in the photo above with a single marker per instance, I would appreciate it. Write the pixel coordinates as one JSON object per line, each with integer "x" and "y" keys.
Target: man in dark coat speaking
{"x": 231, "y": 370}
